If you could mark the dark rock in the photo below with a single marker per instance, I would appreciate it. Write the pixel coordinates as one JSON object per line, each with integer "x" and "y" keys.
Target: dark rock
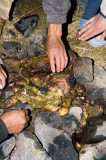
{"x": 93, "y": 151}
{"x": 10, "y": 52}
{"x": 22, "y": 106}
{"x": 56, "y": 142}
{"x": 29, "y": 148}
{"x": 71, "y": 121}
{"x": 12, "y": 33}
{"x": 33, "y": 50}
{"x": 22, "y": 55}
{"x": 44, "y": 36}
{"x": 8, "y": 92}
{"x": 83, "y": 70}
{"x": 26, "y": 25}
{"x": 96, "y": 90}
{"x": 52, "y": 119}
{"x": 6, "y": 147}
{"x": 93, "y": 132}
{"x": 10, "y": 45}
{"x": 35, "y": 39}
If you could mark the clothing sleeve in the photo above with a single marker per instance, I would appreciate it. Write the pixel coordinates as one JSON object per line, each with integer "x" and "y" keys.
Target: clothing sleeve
{"x": 56, "y": 10}
{"x": 103, "y": 8}
{"x": 3, "y": 131}
{"x": 91, "y": 8}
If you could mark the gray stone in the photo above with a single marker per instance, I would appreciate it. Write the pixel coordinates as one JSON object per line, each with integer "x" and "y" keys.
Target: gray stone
{"x": 93, "y": 151}
{"x": 44, "y": 36}
{"x": 71, "y": 121}
{"x": 93, "y": 132}
{"x": 1, "y": 111}
{"x": 29, "y": 148}
{"x": 6, "y": 147}
{"x": 96, "y": 90}
{"x": 26, "y": 25}
{"x": 32, "y": 49}
{"x": 10, "y": 45}
{"x": 56, "y": 142}
{"x": 52, "y": 119}
{"x": 83, "y": 70}
{"x": 8, "y": 92}
{"x": 35, "y": 38}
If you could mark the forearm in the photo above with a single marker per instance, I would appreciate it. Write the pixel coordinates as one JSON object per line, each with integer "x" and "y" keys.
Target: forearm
{"x": 56, "y": 11}
{"x": 3, "y": 131}
{"x": 91, "y": 8}
{"x": 103, "y": 8}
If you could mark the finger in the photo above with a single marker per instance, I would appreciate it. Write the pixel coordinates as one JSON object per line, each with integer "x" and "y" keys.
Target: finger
{"x": 66, "y": 58}
{"x": 86, "y": 28}
{"x": 103, "y": 36}
{"x": 27, "y": 118}
{"x": 88, "y": 34}
{"x": 91, "y": 20}
{"x": 58, "y": 63}
{"x": 2, "y": 70}
{"x": 52, "y": 64}
{"x": 26, "y": 111}
{"x": 2, "y": 81}
{"x": 62, "y": 61}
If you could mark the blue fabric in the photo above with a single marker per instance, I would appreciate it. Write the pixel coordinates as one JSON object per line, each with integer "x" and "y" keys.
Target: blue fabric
{"x": 82, "y": 21}
{"x": 91, "y": 8}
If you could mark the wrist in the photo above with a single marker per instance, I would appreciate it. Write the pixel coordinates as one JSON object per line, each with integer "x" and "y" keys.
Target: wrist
{"x": 55, "y": 30}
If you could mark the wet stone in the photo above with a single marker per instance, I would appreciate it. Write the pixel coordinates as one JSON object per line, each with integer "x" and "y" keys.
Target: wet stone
{"x": 6, "y": 147}
{"x": 93, "y": 132}
{"x": 27, "y": 25}
{"x": 29, "y": 148}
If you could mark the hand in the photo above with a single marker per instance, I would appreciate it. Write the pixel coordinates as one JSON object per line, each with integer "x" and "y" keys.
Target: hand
{"x": 15, "y": 120}
{"x": 93, "y": 27}
{"x": 3, "y": 77}
{"x": 56, "y": 49}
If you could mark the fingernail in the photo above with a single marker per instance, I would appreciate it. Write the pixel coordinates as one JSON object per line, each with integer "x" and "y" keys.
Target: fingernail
{"x": 1, "y": 87}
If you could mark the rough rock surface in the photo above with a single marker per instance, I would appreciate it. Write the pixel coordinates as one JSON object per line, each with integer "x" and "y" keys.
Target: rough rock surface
{"x": 6, "y": 147}
{"x": 29, "y": 148}
{"x": 52, "y": 131}
{"x": 83, "y": 70}
{"x": 93, "y": 151}
{"x": 26, "y": 25}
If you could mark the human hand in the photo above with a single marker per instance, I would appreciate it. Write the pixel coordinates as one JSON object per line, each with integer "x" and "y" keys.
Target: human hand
{"x": 93, "y": 27}
{"x": 3, "y": 77}
{"x": 57, "y": 54}
{"x": 15, "y": 120}
{"x": 56, "y": 49}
